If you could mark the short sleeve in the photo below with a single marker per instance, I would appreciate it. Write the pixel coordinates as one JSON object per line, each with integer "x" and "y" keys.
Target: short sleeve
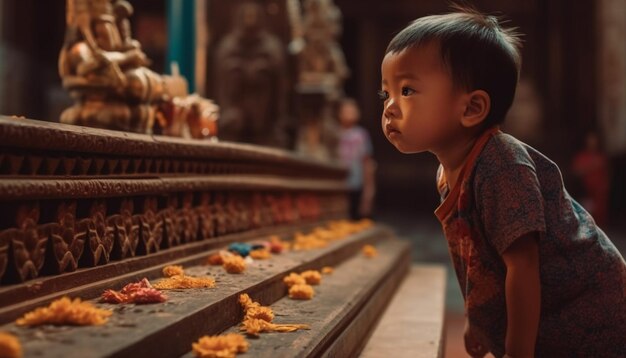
{"x": 510, "y": 203}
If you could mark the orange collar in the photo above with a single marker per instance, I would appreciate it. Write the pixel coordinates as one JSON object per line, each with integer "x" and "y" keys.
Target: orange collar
{"x": 445, "y": 208}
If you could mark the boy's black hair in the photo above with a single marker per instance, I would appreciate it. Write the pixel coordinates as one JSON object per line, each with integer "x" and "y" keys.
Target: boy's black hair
{"x": 478, "y": 52}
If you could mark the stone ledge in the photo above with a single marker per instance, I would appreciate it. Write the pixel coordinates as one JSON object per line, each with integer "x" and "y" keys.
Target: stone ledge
{"x": 168, "y": 329}
{"x": 343, "y": 310}
{"x": 38, "y": 140}
{"x": 413, "y": 324}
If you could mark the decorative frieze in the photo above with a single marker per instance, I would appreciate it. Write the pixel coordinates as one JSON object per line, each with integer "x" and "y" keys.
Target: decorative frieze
{"x": 73, "y": 197}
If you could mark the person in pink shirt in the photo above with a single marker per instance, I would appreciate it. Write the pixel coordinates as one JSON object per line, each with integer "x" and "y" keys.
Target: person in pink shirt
{"x": 355, "y": 153}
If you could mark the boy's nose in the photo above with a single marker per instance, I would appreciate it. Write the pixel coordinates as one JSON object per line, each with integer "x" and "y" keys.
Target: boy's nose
{"x": 391, "y": 109}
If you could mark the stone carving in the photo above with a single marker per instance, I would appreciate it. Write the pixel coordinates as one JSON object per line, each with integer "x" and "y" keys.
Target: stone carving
{"x": 80, "y": 198}
{"x": 250, "y": 74}
{"x": 188, "y": 221}
{"x": 106, "y": 72}
{"x": 321, "y": 61}
{"x": 222, "y": 222}
{"x": 26, "y": 241}
{"x": 322, "y": 72}
{"x": 171, "y": 221}
{"x": 308, "y": 206}
{"x": 151, "y": 227}
{"x": 100, "y": 234}
{"x": 238, "y": 206}
{"x": 256, "y": 211}
{"x": 65, "y": 152}
{"x": 126, "y": 230}
{"x": 70, "y": 242}
{"x": 67, "y": 239}
{"x": 206, "y": 215}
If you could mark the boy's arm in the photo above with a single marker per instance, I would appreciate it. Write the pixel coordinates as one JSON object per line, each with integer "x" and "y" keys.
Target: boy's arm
{"x": 523, "y": 296}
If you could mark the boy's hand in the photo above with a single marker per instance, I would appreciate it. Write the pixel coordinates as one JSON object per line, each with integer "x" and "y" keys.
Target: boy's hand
{"x": 475, "y": 341}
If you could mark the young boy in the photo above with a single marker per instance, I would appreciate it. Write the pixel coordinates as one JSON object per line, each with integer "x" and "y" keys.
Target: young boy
{"x": 538, "y": 276}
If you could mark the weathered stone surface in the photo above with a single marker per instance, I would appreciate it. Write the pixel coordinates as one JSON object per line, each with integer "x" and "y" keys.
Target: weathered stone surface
{"x": 107, "y": 196}
{"x": 168, "y": 329}
{"x": 413, "y": 324}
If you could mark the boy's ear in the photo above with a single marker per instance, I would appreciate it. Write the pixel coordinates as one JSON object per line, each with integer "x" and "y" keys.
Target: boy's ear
{"x": 477, "y": 106}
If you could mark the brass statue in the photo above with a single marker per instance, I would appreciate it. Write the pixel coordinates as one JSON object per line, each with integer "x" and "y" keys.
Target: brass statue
{"x": 106, "y": 72}
{"x": 251, "y": 78}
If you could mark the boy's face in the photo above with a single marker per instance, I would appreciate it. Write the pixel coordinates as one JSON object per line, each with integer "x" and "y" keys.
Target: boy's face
{"x": 422, "y": 109}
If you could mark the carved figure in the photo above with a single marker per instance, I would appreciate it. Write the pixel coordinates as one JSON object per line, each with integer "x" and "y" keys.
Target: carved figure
{"x": 106, "y": 73}
{"x": 250, "y": 72}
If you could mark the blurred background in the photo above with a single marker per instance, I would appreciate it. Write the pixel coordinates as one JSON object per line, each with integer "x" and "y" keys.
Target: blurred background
{"x": 570, "y": 103}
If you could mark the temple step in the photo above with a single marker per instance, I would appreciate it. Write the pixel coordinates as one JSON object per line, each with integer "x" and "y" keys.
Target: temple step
{"x": 168, "y": 329}
{"x": 15, "y": 300}
{"x": 413, "y": 323}
{"x": 343, "y": 312}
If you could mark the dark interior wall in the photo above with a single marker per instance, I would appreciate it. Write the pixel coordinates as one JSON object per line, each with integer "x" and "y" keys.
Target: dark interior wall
{"x": 568, "y": 69}
{"x": 32, "y": 34}
{"x": 559, "y": 56}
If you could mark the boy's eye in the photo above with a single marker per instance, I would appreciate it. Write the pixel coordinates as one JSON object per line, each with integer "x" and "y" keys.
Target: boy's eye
{"x": 383, "y": 95}
{"x": 407, "y": 91}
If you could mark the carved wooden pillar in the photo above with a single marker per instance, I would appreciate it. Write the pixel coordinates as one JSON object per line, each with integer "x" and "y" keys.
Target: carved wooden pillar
{"x": 287, "y": 208}
{"x": 256, "y": 214}
{"x": 273, "y": 204}
{"x": 266, "y": 212}
{"x": 220, "y": 214}
{"x": 233, "y": 220}
{"x": 171, "y": 221}
{"x": 187, "y": 219}
{"x": 240, "y": 206}
{"x": 151, "y": 228}
{"x": 26, "y": 243}
{"x": 205, "y": 215}
{"x": 100, "y": 234}
{"x": 126, "y": 230}
{"x": 66, "y": 238}
{"x": 308, "y": 206}
{"x": 612, "y": 73}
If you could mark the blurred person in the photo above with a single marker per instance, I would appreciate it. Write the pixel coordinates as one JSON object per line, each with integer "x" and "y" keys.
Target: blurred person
{"x": 591, "y": 165}
{"x": 355, "y": 153}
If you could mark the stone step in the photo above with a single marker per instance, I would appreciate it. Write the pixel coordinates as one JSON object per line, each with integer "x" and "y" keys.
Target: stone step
{"x": 17, "y": 299}
{"x": 168, "y": 329}
{"x": 412, "y": 326}
{"x": 341, "y": 315}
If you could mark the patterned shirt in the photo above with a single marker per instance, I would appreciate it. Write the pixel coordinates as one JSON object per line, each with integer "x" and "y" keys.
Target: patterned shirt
{"x": 506, "y": 190}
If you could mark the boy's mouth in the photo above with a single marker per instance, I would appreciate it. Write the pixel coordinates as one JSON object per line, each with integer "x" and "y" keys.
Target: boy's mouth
{"x": 391, "y": 130}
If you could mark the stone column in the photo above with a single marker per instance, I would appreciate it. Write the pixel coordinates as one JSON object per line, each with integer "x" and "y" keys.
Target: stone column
{"x": 181, "y": 32}
{"x": 2, "y": 61}
{"x": 612, "y": 74}
{"x": 611, "y": 60}
{"x": 202, "y": 43}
